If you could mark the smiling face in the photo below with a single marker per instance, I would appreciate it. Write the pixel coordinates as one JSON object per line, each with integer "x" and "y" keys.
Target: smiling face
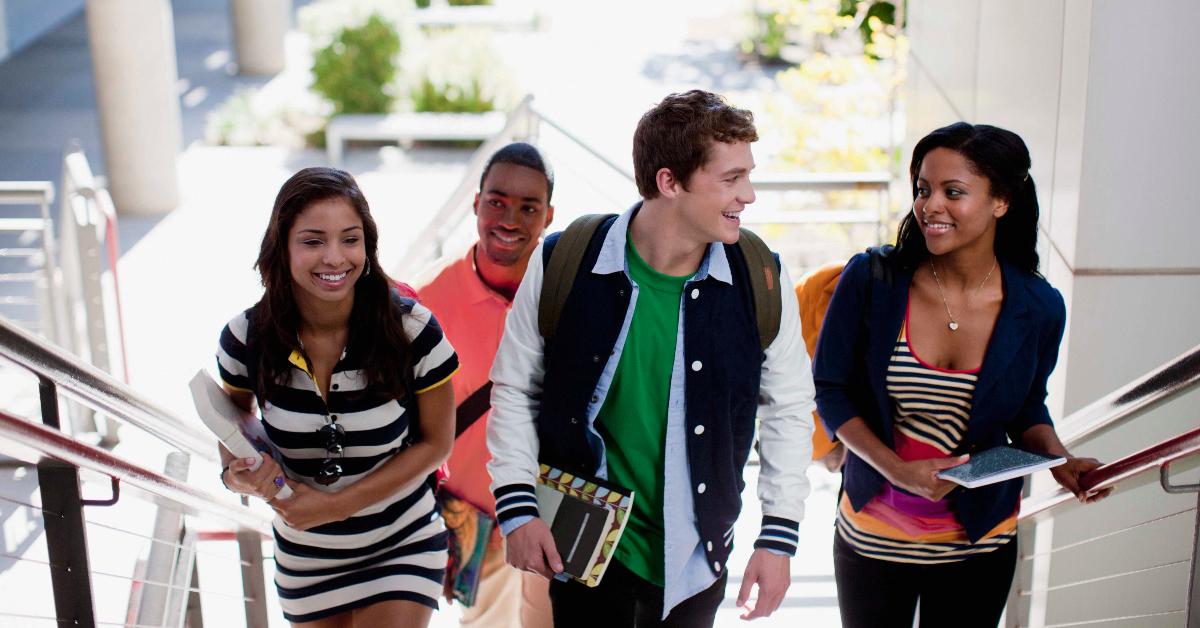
{"x": 717, "y": 192}
{"x": 326, "y": 252}
{"x": 511, "y": 212}
{"x": 954, "y": 205}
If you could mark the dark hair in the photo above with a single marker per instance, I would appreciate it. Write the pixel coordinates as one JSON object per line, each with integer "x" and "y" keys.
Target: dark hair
{"x": 275, "y": 319}
{"x": 521, "y": 154}
{"x": 1002, "y": 158}
{"x": 678, "y": 134}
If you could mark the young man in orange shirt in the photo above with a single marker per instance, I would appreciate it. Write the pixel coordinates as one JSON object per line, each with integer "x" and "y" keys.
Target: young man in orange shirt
{"x": 471, "y": 294}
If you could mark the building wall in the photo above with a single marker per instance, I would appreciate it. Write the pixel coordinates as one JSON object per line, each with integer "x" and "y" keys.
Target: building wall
{"x": 23, "y": 21}
{"x": 1102, "y": 92}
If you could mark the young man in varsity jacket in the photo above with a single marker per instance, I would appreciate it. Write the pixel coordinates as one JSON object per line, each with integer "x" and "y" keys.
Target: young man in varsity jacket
{"x": 653, "y": 379}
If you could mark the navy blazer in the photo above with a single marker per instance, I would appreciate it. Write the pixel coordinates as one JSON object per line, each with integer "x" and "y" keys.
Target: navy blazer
{"x": 850, "y": 372}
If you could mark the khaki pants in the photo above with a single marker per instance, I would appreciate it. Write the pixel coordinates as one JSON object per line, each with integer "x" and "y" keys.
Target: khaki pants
{"x": 508, "y": 597}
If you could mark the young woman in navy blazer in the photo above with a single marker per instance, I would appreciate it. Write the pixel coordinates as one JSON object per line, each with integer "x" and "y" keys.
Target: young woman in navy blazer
{"x": 940, "y": 348}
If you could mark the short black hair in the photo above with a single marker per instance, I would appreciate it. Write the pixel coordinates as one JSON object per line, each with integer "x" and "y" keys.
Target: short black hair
{"x": 522, "y": 154}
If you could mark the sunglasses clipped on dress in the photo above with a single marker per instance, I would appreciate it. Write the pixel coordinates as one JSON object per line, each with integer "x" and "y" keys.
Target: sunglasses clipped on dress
{"x": 331, "y": 469}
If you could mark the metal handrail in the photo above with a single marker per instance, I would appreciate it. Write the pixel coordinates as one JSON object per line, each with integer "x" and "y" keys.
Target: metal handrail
{"x": 101, "y": 390}
{"x": 26, "y": 192}
{"x": 1153, "y": 389}
{"x": 1171, "y": 379}
{"x": 53, "y": 443}
{"x": 1154, "y": 457}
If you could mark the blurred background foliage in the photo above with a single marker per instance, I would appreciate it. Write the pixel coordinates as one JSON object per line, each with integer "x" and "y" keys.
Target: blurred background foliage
{"x": 369, "y": 56}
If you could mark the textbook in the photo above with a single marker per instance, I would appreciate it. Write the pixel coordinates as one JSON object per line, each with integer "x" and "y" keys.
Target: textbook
{"x": 586, "y": 517}
{"x": 241, "y": 432}
{"x": 470, "y": 530}
{"x": 997, "y": 465}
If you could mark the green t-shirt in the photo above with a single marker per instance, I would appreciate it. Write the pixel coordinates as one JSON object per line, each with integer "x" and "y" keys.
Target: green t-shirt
{"x": 633, "y": 420}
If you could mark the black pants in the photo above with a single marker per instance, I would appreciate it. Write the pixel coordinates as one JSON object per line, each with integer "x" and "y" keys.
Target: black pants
{"x": 625, "y": 600}
{"x": 876, "y": 593}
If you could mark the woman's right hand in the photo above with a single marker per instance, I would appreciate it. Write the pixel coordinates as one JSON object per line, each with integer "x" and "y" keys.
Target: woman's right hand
{"x": 919, "y": 477}
{"x": 262, "y": 483}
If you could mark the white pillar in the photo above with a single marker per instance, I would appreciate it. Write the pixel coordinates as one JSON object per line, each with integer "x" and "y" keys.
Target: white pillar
{"x": 133, "y": 62}
{"x": 259, "y": 27}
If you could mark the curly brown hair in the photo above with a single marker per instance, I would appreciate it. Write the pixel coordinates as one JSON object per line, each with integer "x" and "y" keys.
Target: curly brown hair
{"x": 678, "y": 134}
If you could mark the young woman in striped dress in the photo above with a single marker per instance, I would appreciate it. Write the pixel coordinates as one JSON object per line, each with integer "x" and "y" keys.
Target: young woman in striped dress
{"x": 934, "y": 351}
{"x": 351, "y": 380}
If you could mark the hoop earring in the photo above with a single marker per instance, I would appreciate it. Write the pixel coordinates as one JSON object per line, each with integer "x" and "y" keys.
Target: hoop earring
{"x": 367, "y": 268}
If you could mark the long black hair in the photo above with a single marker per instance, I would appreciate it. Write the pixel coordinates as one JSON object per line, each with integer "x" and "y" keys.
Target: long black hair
{"x": 275, "y": 319}
{"x": 1001, "y": 157}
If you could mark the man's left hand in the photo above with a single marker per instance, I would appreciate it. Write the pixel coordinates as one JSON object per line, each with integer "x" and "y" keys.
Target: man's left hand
{"x": 773, "y": 575}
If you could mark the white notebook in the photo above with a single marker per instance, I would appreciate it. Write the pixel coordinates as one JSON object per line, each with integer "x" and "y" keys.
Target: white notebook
{"x": 997, "y": 465}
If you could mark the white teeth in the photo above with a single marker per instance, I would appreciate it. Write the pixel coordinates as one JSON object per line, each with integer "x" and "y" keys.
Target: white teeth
{"x": 337, "y": 277}
{"x": 506, "y": 239}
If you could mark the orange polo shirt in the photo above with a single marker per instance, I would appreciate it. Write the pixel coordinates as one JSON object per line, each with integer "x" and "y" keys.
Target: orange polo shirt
{"x": 472, "y": 317}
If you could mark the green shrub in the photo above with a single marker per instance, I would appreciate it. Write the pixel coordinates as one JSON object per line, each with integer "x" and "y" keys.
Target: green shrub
{"x": 458, "y": 71}
{"x": 468, "y": 98}
{"x": 356, "y": 69}
{"x": 467, "y": 3}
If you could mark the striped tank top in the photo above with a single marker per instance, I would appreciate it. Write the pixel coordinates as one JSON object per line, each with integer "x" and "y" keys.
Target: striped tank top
{"x": 931, "y": 407}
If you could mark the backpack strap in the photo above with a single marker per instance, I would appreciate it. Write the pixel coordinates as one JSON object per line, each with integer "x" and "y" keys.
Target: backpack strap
{"x": 763, "y": 268}
{"x": 562, "y": 267}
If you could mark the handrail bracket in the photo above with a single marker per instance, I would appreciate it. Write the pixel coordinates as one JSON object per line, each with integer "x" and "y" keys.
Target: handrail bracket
{"x": 1164, "y": 479}
{"x": 116, "y": 495}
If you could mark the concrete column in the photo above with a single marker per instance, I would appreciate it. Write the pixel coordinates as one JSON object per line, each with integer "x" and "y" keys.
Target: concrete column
{"x": 133, "y": 60}
{"x": 259, "y": 27}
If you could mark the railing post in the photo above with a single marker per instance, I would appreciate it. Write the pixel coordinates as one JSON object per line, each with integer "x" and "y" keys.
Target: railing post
{"x": 66, "y": 535}
{"x": 160, "y": 564}
{"x": 1193, "y": 601}
{"x": 253, "y": 585}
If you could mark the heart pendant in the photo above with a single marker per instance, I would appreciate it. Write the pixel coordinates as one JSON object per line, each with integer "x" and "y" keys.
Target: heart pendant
{"x": 953, "y": 326}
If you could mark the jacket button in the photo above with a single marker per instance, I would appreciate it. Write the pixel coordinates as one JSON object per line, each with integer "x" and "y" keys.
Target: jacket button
{"x": 708, "y": 546}
{"x": 699, "y": 430}
{"x": 700, "y": 488}
{"x": 695, "y": 293}
{"x": 716, "y": 566}
{"x": 595, "y": 398}
{"x": 595, "y": 359}
{"x": 574, "y": 420}
{"x": 621, "y": 292}
{"x": 696, "y": 366}
{"x": 333, "y": 386}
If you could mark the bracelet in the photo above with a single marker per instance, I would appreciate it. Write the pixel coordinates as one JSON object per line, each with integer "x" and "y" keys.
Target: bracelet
{"x": 223, "y": 479}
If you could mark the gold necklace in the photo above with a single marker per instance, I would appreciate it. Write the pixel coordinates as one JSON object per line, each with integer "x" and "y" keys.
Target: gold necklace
{"x": 953, "y": 324}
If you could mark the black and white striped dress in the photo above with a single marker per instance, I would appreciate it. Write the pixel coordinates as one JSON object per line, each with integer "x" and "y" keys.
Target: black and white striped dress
{"x": 393, "y": 550}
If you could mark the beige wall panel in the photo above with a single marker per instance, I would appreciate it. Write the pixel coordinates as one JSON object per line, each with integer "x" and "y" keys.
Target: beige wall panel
{"x": 944, "y": 44}
{"x": 1061, "y": 215}
{"x": 1123, "y": 326}
{"x": 927, "y": 110}
{"x": 1018, "y": 85}
{"x": 1138, "y": 193}
{"x": 1141, "y": 594}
